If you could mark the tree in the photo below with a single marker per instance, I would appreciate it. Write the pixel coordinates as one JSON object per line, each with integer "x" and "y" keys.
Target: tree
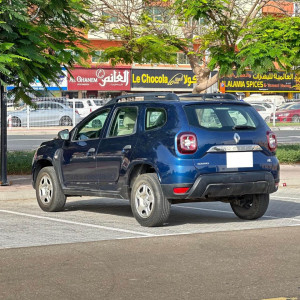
{"x": 38, "y": 38}
{"x": 219, "y": 35}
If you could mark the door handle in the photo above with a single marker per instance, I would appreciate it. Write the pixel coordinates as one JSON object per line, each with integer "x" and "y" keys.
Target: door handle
{"x": 126, "y": 148}
{"x": 91, "y": 152}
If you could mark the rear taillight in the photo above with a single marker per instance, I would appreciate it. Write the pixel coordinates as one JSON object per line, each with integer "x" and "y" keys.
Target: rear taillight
{"x": 76, "y": 111}
{"x": 272, "y": 140}
{"x": 187, "y": 143}
{"x": 180, "y": 190}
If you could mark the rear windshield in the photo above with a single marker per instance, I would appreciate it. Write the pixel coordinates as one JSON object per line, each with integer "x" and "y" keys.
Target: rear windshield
{"x": 222, "y": 116}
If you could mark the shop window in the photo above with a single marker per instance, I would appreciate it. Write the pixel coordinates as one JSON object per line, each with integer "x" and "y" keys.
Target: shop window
{"x": 182, "y": 59}
{"x": 157, "y": 13}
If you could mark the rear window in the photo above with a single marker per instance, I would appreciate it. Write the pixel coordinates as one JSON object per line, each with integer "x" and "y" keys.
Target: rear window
{"x": 222, "y": 116}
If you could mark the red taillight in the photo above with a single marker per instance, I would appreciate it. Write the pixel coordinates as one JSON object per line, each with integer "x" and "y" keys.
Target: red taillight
{"x": 272, "y": 140}
{"x": 91, "y": 110}
{"x": 76, "y": 111}
{"x": 187, "y": 143}
{"x": 180, "y": 190}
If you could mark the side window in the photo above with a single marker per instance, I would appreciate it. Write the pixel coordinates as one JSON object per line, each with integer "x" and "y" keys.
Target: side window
{"x": 124, "y": 121}
{"x": 79, "y": 105}
{"x": 155, "y": 118}
{"x": 92, "y": 127}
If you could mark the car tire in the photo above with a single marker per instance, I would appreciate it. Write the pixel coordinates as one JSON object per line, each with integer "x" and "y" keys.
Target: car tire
{"x": 148, "y": 203}
{"x": 16, "y": 122}
{"x": 65, "y": 121}
{"x": 49, "y": 194}
{"x": 296, "y": 119}
{"x": 251, "y": 207}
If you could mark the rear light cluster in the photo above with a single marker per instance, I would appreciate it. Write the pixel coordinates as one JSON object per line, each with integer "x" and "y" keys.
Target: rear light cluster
{"x": 187, "y": 143}
{"x": 272, "y": 140}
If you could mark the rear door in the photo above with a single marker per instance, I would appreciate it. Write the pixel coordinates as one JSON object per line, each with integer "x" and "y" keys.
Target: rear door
{"x": 230, "y": 137}
{"x": 115, "y": 150}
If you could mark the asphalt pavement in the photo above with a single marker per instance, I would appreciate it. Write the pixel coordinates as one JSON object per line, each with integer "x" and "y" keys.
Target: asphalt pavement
{"x": 95, "y": 249}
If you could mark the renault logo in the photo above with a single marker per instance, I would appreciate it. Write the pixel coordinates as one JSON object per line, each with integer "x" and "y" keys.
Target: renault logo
{"x": 236, "y": 138}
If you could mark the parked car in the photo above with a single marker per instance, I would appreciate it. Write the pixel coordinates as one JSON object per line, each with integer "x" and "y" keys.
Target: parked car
{"x": 45, "y": 113}
{"x": 82, "y": 106}
{"x": 157, "y": 149}
{"x": 286, "y": 105}
{"x": 263, "y": 111}
{"x": 289, "y": 114}
{"x": 277, "y": 99}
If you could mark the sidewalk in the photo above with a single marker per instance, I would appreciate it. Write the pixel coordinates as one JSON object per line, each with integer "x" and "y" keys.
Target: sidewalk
{"x": 20, "y": 187}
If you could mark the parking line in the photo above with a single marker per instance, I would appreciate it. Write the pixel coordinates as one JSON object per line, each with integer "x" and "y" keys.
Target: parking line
{"x": 77, "y": 223}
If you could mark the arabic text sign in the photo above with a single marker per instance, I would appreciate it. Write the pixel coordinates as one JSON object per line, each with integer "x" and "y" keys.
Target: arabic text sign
{"x": 161, "y": 78}
{"x": 249, "y": 82}
{"x": 99, "y": 79}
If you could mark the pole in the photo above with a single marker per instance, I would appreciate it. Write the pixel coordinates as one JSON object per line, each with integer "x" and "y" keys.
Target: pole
{"x": 3, "y": 136}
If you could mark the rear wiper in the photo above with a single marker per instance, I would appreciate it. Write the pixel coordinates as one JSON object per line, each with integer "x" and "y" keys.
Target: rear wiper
{"x": 235, "y": 127}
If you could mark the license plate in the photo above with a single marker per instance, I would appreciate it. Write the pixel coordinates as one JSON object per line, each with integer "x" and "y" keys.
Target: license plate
{"x": 239, "y": 159}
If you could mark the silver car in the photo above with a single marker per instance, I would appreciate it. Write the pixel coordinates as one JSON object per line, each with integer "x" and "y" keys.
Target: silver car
{"x": 44, "y": 113}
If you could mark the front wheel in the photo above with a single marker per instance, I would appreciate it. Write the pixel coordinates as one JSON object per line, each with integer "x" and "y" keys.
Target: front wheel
{"x": 251, "y": 207}
{"x": 49, "y": 194}
{"x": 148, "y": 204}
{"x": 65, "y": 121}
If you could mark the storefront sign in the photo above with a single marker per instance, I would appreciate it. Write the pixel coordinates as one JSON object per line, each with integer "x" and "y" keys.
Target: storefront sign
{"x": 99, "y": 79}
{"x": 157, "y": 79}
{"x": 270, "y": 82}
{"x": 62, "y": 84}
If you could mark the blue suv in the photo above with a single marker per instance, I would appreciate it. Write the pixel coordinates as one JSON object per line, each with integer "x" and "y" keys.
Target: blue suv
{"x": 156, "y": 149}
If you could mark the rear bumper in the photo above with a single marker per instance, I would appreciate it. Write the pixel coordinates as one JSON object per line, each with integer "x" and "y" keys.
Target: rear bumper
{"x": 225, "y": 185}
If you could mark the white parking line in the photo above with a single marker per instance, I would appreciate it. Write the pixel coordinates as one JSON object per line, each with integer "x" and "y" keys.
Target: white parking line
{"x": 77, "y": 223}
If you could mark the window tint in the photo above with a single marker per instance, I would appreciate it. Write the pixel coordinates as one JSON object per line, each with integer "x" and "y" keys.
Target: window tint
{"x": 124, "y": 122}
{"x": 222, "y": 116}
{"x": 92, "y": 127}
{"x": 155, "y": 117}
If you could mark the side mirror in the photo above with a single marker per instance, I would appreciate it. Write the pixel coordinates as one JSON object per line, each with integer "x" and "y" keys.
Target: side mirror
{"x": 64, "y": 135}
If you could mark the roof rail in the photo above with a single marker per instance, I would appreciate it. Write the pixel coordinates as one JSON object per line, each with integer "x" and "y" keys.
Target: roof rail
{"x": 144, "y": 96}
{"x": 211, "y": 96}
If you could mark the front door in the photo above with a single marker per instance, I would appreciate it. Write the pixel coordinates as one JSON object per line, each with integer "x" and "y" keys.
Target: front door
{"x": 79, "y": 154}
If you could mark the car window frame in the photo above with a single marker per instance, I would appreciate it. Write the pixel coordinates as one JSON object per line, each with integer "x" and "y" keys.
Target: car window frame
{"x": 116, "y": 109}
{"x": 155, "y": 128}
{"x": 90, "y": 118}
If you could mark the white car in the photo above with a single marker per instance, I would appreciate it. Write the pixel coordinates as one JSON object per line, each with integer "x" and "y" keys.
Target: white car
{"x": 263, "y": 111}
{"x": 254, "y": 98}
{"x": 86, "y": 106}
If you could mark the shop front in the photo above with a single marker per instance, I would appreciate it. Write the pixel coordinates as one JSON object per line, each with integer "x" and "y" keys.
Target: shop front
{"x": 162, "y": 80}
{"x": 104, "y": 83}
{"x": 286, "y": 84}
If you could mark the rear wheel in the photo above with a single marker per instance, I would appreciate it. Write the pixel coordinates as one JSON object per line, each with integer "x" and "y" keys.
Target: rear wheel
{"x": 296, "y": 119}
{"x": 49, "y": 194}
{"x": 65, "y": 121}
{"x": 148, "y": 204}
{"x": 251, "y": 207}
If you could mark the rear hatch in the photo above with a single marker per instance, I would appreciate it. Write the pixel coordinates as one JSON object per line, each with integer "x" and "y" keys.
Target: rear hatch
{"x": 230, "y": 137}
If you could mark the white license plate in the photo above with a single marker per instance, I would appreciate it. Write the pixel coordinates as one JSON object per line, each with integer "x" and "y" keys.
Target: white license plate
{"x": 239, "y": 159}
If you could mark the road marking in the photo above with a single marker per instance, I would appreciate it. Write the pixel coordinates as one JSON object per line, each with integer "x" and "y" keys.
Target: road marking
{"x": 280, "y": 197}
{"x": 230, "y": 212}
{"x": 77, "y": 223}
